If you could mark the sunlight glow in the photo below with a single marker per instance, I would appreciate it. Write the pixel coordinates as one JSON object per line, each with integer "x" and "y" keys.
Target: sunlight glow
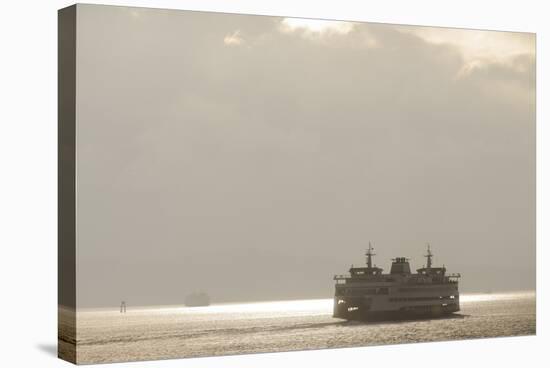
{"x": 479, "y": 48}
{"x": 280, "y": 308}
{"x": 286, "y": 306}
{"x": 315, "y": 26}
{"x": 482, "y": 297}
{"x": 233, "y": 39}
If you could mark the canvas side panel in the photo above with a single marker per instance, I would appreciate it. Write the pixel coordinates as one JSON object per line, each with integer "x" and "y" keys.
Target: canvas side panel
{"x": 66, "y": 184}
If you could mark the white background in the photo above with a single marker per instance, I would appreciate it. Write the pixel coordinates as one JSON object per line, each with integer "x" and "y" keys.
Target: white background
{"x": 28, "y": 179}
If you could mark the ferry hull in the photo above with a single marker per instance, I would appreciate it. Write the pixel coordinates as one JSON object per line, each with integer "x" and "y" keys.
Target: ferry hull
{"x": 361, "y": 312}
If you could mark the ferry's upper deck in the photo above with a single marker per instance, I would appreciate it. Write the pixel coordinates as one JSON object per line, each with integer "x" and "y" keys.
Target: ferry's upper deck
{"x": 400, "y": 272}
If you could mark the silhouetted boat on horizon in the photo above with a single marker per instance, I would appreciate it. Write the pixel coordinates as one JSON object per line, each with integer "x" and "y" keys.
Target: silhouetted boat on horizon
{"x": 197, "y": 299}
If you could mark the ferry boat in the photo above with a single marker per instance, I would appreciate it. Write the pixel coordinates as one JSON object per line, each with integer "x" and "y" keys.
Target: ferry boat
{"x": 197, "y": 299}
{"x": 369, "y": 294}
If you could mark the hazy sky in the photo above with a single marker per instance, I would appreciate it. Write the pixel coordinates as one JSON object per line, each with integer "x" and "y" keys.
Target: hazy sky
{"x": 254, "y": 157}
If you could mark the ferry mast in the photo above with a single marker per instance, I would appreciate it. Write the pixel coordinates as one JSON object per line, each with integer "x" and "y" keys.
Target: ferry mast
{"x": 369, "y": 255}
{"x": 429, "y": 256}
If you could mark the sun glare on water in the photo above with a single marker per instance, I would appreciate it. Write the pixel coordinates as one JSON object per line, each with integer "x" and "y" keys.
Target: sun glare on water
{"x": 284, "y": 307}
{"x": 295, "y": 307}
{"x": 310, "y": 306}
{"x": 483, "y": 297}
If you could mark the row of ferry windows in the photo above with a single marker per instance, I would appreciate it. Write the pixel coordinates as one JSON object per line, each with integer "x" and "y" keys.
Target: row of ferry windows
{"x": 357, "y": 291}
{"x": 419, "y": 290}
{"x": 422, "y": 298}
{"x": 380, "y": 291}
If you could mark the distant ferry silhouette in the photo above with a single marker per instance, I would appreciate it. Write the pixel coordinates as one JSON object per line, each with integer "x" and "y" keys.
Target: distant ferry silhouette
{"x": 197, "y": 299}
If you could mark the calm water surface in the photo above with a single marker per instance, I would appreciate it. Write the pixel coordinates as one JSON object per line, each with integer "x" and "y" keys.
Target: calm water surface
{"x": 175, "y": 332}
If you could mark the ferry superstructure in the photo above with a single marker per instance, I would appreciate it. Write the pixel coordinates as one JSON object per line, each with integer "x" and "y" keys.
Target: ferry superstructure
{"x": 369, "y": 294}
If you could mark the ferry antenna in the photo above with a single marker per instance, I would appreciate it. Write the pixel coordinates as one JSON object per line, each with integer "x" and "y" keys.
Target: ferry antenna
{"x": 369, "y": 255}
{"x": 429, "y": 256}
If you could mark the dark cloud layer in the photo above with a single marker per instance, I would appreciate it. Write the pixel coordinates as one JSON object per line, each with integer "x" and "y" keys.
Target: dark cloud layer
{"x": 256, "y": 169}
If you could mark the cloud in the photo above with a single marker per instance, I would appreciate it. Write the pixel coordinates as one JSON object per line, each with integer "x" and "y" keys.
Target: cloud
{"x": 478, "y": 48}
{"x": 314, "y": 26}
{"x": 233, "y": 39}
{"x": 511, "y": 80}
